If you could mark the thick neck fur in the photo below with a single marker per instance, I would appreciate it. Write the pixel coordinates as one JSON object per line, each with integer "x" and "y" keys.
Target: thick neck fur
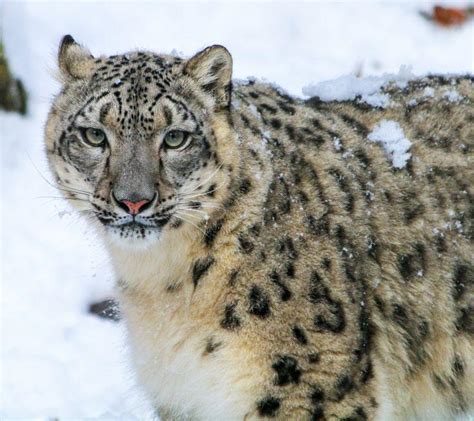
{"x": 163, "y": 264}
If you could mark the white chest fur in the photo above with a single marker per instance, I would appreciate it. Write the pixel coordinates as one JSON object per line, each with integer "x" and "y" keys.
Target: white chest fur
{"x": 169, "y": 353}
{"x": 168, "y": 341}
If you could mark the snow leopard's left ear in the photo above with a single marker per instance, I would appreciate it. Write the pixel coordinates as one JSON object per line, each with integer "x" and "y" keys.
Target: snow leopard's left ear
{"x": 75, "y": 62}
{"x": 212, "y": 69}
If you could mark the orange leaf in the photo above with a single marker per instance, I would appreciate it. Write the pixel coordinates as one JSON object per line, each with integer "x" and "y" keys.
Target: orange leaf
{"x": 449, "y": 16}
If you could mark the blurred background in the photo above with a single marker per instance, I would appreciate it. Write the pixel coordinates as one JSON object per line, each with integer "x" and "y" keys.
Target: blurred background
{"x": 58, "y": 360}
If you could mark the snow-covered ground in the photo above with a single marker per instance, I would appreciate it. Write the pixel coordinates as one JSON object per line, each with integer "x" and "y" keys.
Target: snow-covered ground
{"x": 56, "y": 359}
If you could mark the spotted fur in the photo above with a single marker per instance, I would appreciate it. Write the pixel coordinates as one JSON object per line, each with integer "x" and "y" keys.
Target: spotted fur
{"x": 283, "y": 268}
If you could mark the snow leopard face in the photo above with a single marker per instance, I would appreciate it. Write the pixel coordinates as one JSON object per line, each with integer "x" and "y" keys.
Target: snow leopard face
{"x": 139, "y": 140}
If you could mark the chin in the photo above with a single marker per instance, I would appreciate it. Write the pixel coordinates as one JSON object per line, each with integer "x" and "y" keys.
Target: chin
{"x": 133, "y": 236}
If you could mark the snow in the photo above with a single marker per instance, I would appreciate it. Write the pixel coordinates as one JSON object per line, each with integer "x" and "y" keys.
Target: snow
{"x": 377, "y": 99}
{"x": 254, "y": 111}
{"x": 390, "y": 135}
{"x": 452, "y": 95}
{"x": 56, "y": 359}
{"x": 351, "y": 86}
{"x": 428, "y": 92}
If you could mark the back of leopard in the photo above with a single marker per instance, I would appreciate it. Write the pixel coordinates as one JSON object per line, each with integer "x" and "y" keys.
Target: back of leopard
{"x": 382, "y": 251}
{"x": 274, "y": 259}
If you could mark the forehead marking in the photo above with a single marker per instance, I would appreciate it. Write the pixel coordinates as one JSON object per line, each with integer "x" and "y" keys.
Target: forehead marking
{"x": 104, "y": 110}
{"x": 182, "y": 105}
{"x": 130, "y": 85}
{"x": 82, "y": 108}
{"x": 102, "y": 95}
{"x": 168, "y": 115}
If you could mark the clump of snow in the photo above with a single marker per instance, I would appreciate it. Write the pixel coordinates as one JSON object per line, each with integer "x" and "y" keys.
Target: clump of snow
{"x": 428, "y": 91}
{"x": 348, "y": 154}
{"x": 337, "y": 144}
{"x": 368, "y": 88}
{"x": 452, "y": 96}
{"x": 254, "y": 111}
{"x": 377, "y": 100}
{"x": 236, "y": 103}
{"x": 390, "y": 135}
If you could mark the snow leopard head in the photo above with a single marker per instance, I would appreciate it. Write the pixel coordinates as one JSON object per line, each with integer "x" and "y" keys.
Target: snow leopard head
{"x": 142, "y": 142}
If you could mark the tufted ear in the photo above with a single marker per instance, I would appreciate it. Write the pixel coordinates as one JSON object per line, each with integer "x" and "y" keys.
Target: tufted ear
{"x": 212, "y": 69}
{"x": 75, "y": 61}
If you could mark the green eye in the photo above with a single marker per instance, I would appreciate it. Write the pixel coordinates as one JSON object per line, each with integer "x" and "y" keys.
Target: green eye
{"x": 175, "y": 138}
{"x": 94, "y": 137}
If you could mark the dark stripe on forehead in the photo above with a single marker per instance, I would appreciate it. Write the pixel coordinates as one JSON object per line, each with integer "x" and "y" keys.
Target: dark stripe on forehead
{"x": 168, "y": 115}
{"x": 183, "y": 111}
{"x": 89, "y": 101}
{"x": 182, "y": 105}
{"x": 83, "y": 107}
{"x": 100, "y": 96}
{"x": 104, "y": 110}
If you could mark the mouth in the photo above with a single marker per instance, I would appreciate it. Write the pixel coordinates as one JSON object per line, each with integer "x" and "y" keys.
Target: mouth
{"x": 134, "y": 222}
{"x": 132, "y": 228}
{"x": 133, "y": 232}
{"x": 133, "y": 225}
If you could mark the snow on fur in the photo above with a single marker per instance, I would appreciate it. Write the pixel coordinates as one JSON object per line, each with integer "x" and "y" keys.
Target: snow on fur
{"x": 396, "y": 146}
{"x": 368, "y": 88}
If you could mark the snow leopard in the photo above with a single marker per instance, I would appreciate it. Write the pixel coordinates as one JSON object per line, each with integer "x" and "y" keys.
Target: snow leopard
{"x": 275, "y": 257}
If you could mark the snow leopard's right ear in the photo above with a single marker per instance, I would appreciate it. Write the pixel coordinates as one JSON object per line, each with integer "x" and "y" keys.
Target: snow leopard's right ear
{"x": 75, "y": 62}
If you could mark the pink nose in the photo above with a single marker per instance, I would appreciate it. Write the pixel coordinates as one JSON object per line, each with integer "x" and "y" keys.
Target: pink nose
{"x": 134, "y": 207}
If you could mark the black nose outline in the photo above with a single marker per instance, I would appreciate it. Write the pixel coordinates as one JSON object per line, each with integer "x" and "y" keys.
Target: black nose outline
{"x": 144, "y": 207}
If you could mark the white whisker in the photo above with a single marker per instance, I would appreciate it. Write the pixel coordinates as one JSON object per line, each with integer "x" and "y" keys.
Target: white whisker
{"x": 193, "y": 195}
{"x": 64, "y": 188}
{"x": 63, "y": 198}
{"x": 192, "y": 210}
{"x": 179, "y": 216}
{"x": 205, "y": 181}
